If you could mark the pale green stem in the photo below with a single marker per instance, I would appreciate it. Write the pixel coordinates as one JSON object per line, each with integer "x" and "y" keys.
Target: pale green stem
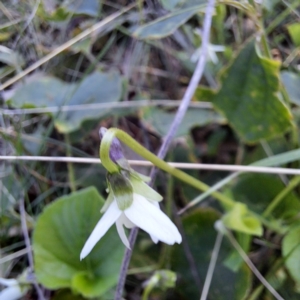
{"x": 147, "y": 269}
{"x": 139, "y": 149}
{"x": 256, "y": 294}
{"x": 250, "y": 264}
{"x": 211, "y": 267}
{"x": 71, "y": 173}
{"x": 276, "y": 201}
{"x": 150, "y": 286}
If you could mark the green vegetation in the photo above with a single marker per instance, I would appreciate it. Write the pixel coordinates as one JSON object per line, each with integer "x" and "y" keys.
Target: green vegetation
{"x": 69, "y": 67}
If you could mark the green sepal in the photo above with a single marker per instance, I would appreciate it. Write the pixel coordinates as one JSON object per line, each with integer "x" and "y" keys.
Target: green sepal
{"x": 123, "y": 164}
{"x": 140, "y": 176}
{"x": 107, "y": 203}
{"x": 240, "y": 219}
{"x": 121, "y": 189}
{"x": 141, "y": 188}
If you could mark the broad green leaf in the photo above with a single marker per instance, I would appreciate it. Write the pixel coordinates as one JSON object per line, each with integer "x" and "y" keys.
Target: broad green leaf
{"x": 90, "y": 175}
{"x": 258, "y": 190}
{"x": 66, "y": 295}
{"x": 42, "y": 91}
{"x": 169, "y": 4}
{"x": 168, "y": 24}
{"x": 294, "y": 31}
{"x": 161, "y": 120}
{"x": 291, "y": 252}
{"x": 200, "y": 238}
{"x": 11, "y": 58}
{"x": 86, "y": 7}
{"x": 59, "y": 236}
{"x": 46, "y": 91}
{"x": 248, "y": 99}
{"x": 291, "y": 82}
{"x": 240, "y": 219}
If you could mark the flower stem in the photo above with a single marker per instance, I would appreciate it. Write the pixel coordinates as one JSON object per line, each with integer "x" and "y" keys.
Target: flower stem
{"x": 211, "y": 267}
{"x": 166, "y": 144}
{"x": 71, "y": 172}
{"x": 139, "y": 149}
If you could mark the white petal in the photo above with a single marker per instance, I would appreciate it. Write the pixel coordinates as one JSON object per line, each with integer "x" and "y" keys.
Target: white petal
{"x": 151, "y": 219}
{"x": 127, "y": 223}
{"x": 154, "y": 238}
{"x": 109, "y": 218}
{"x": 8, "y": 282}
{"x": 217, "y": 48}
{"x": 121, "y": 231}
{"x": 11, "y": 293}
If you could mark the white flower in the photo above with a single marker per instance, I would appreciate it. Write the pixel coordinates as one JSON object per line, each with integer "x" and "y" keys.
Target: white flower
{"x": 141, "y": 213}
{"x": 13, "y": 290}
{"x": 211, "y": 50}
{"x": 211, "y": 53}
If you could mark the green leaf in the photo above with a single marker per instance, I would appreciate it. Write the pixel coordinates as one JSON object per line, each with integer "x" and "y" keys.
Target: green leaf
{"x": 200, "y": 238}
{"x": 86, "y": 7}
{"x": 11, "y": 58}
{"x": 141, "y": 188}
{"x": 58, "y": 239}
{"x": 291, "y": 252}
{"x": 294, "y": 31}
{"x": 169, "y": 4}
{"x": 161, "y": 120}
{"x": 240, "y": 219}
{"x": 66, "y": 295}
{"x": 291, "y": 82}
{"x": 46, "y": 91}
{"x": 248, "y": 97}
{"x": 168, "y": 24}
{"x": 258, "y": 190}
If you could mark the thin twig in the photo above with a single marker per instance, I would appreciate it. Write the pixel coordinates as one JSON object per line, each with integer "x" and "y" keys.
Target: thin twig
{"x": 252, "y": 267}
{"x": 28, "y": 247}
{"x": 65, "y": 46}
{"x": 125, "y": 263}
{"x": 176, "y": 122}
{"x": 143, "y": 163}
{"x": 211, "y": 266}
{"x": 80, "y": 107}
{"x": 14, "y": 255}
{"x": 191, "y": 87}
